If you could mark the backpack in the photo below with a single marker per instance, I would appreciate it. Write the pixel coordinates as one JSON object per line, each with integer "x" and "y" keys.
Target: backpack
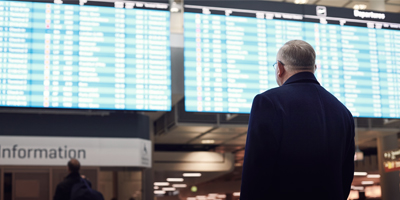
{"x": 82, "y": 191}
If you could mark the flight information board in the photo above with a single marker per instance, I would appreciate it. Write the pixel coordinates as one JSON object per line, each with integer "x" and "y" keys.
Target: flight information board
{"x": 229, "y": 53}
{"x": 114, "y": 56}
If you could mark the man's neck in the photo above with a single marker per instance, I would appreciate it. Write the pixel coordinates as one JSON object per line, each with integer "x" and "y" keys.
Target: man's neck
{"x": 291, "y": 73}
{"x": 74, "y": 173}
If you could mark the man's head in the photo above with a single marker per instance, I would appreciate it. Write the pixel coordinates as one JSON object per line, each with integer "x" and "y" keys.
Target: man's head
{"x": 74, "y": 166}
{"x": 293, "y": 57}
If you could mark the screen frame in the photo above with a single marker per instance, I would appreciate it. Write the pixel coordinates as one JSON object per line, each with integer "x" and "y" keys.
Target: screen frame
{"x": 281, "y": 7}
{"x": 109, "y": 3}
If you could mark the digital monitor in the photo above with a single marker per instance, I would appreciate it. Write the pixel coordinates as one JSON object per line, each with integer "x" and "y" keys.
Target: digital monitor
{"x": 229, "y": 54}
{"x": 88, "y": 55}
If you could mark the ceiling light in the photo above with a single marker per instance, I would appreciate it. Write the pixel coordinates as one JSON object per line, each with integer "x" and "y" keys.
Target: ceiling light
{"x": 212, "y": 194}
{"x": 361, "y": 188}
{"x": 159, "y": 192}
{"x": 201, "y": 197}
{"x": 191, "y": 174}
{"x": 191, "y": 198}
{"x": 360, "y": 173}
{"x": 359, "y": 155}
{"x": 156, "y": 187}
{"x": 179, "y": 185}
{"x": 161, "y": 183}
{"x": 174, "y": 9}
{"x": 175, "y": 179}
{"x": 221, "y": 196}
{"x": 169, "y": 189}
{"x": 367, "y": 182}
{"x": 208, "y": 141}
{"x": 359, "y": 7}
{"x": 373, "y": 176}
{"x": 373, "y": 191}
{"x": 236, "y": 194}
{"x": 300, "y": 1}
{"x": 354, "y": 194}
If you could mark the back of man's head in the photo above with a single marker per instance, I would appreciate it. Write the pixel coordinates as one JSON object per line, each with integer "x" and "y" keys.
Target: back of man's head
{"x": 74, "y": 166}
{"x": 298, "y": 55}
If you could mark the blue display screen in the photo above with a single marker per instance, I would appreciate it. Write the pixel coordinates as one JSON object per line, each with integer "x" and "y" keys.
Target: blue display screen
{"x": 85, "y": 56}
{"x": 229, "y": 58}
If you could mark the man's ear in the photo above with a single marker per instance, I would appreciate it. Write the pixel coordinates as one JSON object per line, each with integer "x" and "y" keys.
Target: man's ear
{"x": 281, "y": 69}
{"x": 315, "y": 68}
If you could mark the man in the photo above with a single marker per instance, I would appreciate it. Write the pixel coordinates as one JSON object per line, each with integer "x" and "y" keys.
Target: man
{"x": 63, "y": 190}
{"x": 300, "y": 140}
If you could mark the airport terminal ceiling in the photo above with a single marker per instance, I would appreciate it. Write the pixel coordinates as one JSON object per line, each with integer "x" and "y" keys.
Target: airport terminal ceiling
{"x": 55, "y": 71}
{"x": 179, "y": 130}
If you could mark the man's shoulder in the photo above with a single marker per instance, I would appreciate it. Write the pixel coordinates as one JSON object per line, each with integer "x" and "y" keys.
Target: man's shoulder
{"x": 68, "y": 181}
{"x": 272, "y": 91}
{"x": 64, "y": 183}
{"x": 286, "y": 92}
{"x": 275, "y": 92}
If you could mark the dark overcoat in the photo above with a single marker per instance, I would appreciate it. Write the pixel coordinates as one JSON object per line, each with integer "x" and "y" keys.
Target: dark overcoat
{"x": 300, "y": 144}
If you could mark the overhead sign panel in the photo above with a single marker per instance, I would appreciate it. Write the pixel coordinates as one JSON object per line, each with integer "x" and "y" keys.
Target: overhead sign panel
{"x": 57, "y": 151}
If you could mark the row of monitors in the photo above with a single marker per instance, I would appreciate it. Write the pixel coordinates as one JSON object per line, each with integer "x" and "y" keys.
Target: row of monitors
{"x": 116, "y": 56}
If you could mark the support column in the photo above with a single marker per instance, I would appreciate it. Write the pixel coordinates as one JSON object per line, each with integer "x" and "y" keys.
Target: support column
{"x": 2, "y": 184}
{"x": 148, "y": 184}
{"x": 130, "y": 185}
{"x": 389, "y": 181}
{"x": 378, "y": 5}
{"x": 148, "y": 174}
{"x": 176, "y": 16}
{"x": 115, "y": 184}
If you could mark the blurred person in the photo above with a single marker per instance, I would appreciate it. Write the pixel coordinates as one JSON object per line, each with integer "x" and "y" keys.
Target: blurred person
{"x": 63, "y": 190}
{"x": 300, "y": 140}
{"x": 76, "y": 186}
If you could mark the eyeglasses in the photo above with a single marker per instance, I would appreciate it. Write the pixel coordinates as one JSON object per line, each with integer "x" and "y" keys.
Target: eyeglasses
{"x": 276, "y": 64}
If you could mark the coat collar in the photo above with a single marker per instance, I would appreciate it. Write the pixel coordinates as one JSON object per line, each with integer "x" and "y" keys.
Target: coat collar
{"x": 73, "y": 175}
{"x": 304, "y": 77}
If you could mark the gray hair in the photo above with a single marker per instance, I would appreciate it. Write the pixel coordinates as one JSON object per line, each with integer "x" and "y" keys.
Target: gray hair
{"x": 298, "y": 54}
